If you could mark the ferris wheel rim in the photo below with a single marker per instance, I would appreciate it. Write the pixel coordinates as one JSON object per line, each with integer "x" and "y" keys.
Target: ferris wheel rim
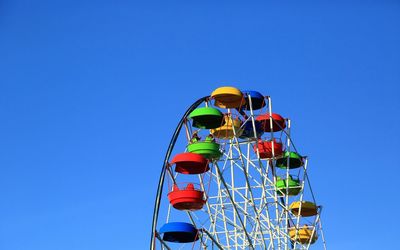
{"x": 164, "y": 168}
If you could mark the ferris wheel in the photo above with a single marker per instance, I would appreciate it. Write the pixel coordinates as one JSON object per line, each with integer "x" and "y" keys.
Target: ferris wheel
{"x": 232, "y": 178}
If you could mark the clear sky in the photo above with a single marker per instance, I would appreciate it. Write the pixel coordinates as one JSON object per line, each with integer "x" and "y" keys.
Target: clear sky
{"x": 91, "y": 91}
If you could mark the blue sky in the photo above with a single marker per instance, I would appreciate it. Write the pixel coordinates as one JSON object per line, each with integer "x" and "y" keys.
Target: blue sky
{"x": 91, "y": 91}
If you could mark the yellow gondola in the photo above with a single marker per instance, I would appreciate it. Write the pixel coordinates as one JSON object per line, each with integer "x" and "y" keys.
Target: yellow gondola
{"x": 228, "y": 131}
{"x": 307, "y": 208}
{"x": 227, "y": 97}
{"x": 304, "y": 235}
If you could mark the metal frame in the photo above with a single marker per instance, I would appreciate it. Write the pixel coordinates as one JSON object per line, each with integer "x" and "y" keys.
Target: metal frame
{"x": 243, "y": 209}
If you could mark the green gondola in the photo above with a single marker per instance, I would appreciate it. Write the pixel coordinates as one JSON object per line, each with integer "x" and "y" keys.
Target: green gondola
{"x": 207, "y": 118}
{"x": 209, "y": 150}
{"x": 295, "y": 160}
{"x": 293, "y": 189}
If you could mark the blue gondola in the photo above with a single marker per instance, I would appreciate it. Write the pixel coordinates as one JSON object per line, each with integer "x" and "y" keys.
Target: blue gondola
{"x": 257, "y": 99}
{"x": 179, "y": 232}
{"x": 248, "y": 131}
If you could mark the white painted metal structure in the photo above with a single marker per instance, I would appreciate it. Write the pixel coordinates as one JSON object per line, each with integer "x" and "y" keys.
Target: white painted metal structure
{"x": 243, "y": 209}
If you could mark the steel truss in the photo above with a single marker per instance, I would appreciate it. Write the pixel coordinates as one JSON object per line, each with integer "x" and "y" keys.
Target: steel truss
{"x": 243, "y": 208}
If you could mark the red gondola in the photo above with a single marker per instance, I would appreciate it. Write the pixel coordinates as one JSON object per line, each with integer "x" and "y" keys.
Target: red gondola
{"x": 190, "y": 163}
{"x": 186, "y": 199}
{"x": 265, "y": 148}
{"x": 278, "y": 122}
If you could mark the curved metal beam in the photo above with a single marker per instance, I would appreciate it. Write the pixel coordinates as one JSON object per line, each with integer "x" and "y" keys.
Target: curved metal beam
{"x": 164, "y": 168}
